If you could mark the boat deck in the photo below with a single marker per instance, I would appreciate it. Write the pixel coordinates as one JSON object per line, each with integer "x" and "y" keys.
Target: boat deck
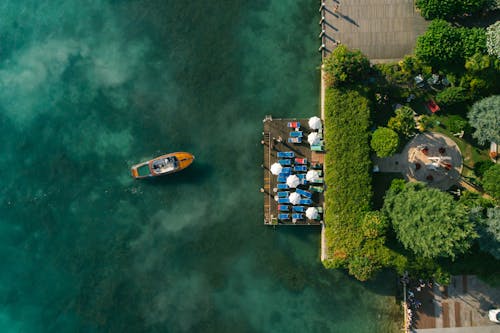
{"x": 275, "y": 139}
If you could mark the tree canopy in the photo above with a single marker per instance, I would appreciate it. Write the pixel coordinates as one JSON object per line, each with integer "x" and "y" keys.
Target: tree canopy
{"x": 493, "y": 39}
{"x": 384, "y": 142}
{"x": 344, "y": 66}
{"x": 484, "y": 116}
{"x": 403, "y": 122}
{"x": 445, "y": 9}
{"x": 427, "y": 221}
{"x": 491, "y": 181}
{"x": 443, "y": 44}
{"x": 489, "y": 232}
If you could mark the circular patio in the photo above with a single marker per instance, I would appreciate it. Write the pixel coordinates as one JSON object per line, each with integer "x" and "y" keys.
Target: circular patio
{"x": 432, "y": 158}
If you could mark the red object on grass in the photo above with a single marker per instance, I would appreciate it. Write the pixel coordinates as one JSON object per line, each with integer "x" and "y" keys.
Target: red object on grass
{"x": 432, "y": 106}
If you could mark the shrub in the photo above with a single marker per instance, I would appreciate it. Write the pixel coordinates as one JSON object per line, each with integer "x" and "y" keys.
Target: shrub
{"x": 491, "y": 181}
{"x": 347, "y": 165}
{"x": 451, "y": 96}
{"x": 456, "y": 124}
{"x": 344, "y": 66}
{"x": 482, "y": 166}
{"x": 384, "y": 142}
{"x": 403, "y": 122}
{"x": 493, "y": 39}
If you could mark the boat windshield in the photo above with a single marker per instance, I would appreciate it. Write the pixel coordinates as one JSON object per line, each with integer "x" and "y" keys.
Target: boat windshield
{"x": 165, "y": 164}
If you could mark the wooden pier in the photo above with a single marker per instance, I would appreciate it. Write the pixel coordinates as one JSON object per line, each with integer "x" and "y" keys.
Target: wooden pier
{"x": 275, "y": 139}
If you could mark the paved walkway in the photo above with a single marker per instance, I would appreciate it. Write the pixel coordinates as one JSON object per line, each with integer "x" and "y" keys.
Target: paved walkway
{"x": 384, "y": 30}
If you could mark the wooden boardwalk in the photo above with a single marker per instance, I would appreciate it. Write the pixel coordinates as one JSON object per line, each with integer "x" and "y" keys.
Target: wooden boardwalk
{"x": 384, "y": 30}
{"x": 274, "y": 140}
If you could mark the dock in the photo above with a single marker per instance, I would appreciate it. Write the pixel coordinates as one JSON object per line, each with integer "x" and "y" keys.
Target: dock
{"x": 275, "y": 139}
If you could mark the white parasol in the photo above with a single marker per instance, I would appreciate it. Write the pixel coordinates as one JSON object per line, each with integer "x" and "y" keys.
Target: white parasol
{"x": 293, "y": 181}
{"x": 314, "y": 123}
{"x": 312, "y": 175}
{"x": 313, "y": 138}
{"x": 294, "y": 198}
{"x": 276, "y": 168}
{"x": 312, "y": 213}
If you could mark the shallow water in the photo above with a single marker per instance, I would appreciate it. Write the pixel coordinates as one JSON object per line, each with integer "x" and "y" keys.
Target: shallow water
{"x": 87, "y": 90}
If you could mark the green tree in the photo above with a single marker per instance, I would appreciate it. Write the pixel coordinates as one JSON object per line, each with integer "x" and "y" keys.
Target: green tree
{"x": 429, "y": 222}
{"x": 451, "y": 96}
{"x": 384, "y": 142}
{"x": 344, "y": 66}
{"x": 488, "y": 226}
{"x": 442, "y": 44}
{"x": 456, "y": 124}
{"x": 493, "y": 39}
{"x": 484, "y": 116}
{"x": 403, "y": 122}
{"x": 491, "y": 181}
{"x": 445, "y": 9}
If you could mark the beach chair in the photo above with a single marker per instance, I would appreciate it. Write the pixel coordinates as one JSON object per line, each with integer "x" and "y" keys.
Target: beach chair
{"x": 297, "y": 216}
{"x": 296, "y": 134}
{"x": 283, "y": 201}
{"x": 282, "y": 186}
{"x": 294, "y": 140}
{"x": 282, "y": 178}
{"x": 285, "y": 162}
{"x": 305, "y": 202}
{"x": 318, "y": 189}
{"x": 304, "y": 193}
{"x": 282, "y": 194}
{"x": 300, "y": 168}
{"x": 283, "y": 208}
{"x": 283, "y": 216}
{"x": 293, "y": 124}
{"x": 286, "y": 154}
{"x": 299, "y": 209}
{"x": 301, "y": 160}
{"x": 317, "y": 148}
{"x": 286, "y": 171}
{"x": 318, "y": 181}
{"x": 317, "y": 166}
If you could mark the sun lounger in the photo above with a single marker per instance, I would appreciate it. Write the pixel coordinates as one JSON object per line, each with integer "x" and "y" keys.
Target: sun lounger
{"x": 317, "y": 166}
{"x": 301, "y": 160}
{"x": 304, "y": 193}
{"x": 282, "y": 186}
{"x": 283, "y": 201}
{"x": 300, "y": 168}
{"x": 294, "y": 140}
{"x": 282, "y": 178}
{"x": 296, "y": 134}
{"x": 318, "y": 189}
{"x": 318, "y": 181}
{"x": 293, "y": 124}
{"x": 282, "y": 194}
{"x": 283, "y": 216}
{"x": 317, "y": 148}
{"x": 285, "y": 162}
{"x": 286, "y": 171}
{"x": 305, "y": 201}
{"x": 283, "y": 208}
{"x": 299, "y": 209}
{"x": 286, "y": 154}
{"x": 297, "y": 216}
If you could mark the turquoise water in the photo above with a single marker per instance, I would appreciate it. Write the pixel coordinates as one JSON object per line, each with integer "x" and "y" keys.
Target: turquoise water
{"x": 88, "y": 88}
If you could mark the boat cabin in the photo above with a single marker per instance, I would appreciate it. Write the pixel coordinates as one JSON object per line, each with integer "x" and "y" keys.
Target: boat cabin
{"x": 165, "y": 165}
